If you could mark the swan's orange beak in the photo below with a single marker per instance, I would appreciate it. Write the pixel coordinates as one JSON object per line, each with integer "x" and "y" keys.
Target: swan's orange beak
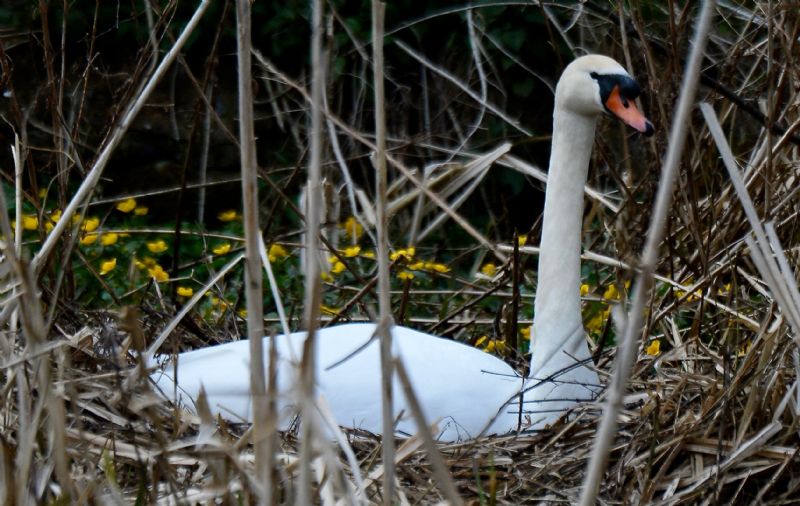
{"x": 626, "y": 110}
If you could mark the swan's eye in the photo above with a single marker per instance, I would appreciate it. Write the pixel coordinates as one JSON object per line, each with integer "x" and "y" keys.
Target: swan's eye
{"x": 625, "y": 103}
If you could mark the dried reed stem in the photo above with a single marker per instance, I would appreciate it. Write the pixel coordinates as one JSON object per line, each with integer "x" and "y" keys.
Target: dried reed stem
{"x": 313, "y": 287}
{"x": 384, "y": 301}
{"x": 252, "y": 271}
{"x": 644, "y": 281}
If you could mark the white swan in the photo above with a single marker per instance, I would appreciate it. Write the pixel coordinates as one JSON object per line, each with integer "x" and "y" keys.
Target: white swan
{"x": 467, "y": 391}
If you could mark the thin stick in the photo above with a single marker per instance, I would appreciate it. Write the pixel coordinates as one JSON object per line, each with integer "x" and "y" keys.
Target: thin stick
{"x": 252, "y": 235}
{"x": 114, "y": 139}
{"x": 384, "y": 301}
{"x": 313, "y": 287}
{"x": 644, "y": 281}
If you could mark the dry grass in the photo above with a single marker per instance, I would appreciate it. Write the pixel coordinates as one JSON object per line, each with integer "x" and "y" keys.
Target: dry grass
{"x": 712, "y": 418}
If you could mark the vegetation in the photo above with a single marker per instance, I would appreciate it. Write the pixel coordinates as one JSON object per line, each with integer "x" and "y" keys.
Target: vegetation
{"x": 155, "y": 244}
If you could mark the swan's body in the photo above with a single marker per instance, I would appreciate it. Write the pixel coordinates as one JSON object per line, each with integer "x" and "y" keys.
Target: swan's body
{"x": 466, "y": 390}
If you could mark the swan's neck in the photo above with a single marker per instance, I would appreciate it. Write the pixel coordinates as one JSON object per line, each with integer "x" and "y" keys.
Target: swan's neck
{"x": 557, "y": 324}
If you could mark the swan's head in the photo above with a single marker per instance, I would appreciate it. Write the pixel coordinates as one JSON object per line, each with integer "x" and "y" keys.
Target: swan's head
{"x": 594, "y": 84}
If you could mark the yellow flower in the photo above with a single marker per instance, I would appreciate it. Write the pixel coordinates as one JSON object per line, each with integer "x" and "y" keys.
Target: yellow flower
{"x": 42, "y": 192}
{"x": 109, "y": 238}
{"x": 526, "y": 333}
{"x": 416, "y": 266}
{"x": 351, "y": 252}
{"x": 88, "y": 239}
{"x": 55, "y": 215}
{"x": 30, "y": 222}
{"x": 157, "y": 272}
{"x": 437, "y": 267}
{"x": 495, "y": 346}
{"x": 90, "y": 225}
{"x": 228, "y": 215}
{"x": 325, "y": 277}
{"x": 584, "y": 289}
{"x": 611, "y": 292}
{"x": 481, "y": 342}
{"x": 404, "y": 275}
{"x": 597, "y": 322}
{"x": 369, "y": 254}
{"x": 654, "y": 348}
{"x": 126, "y": 205}
{"x": 352, "y": 228}
{"x": 406, "y": 253}
{"x": 222, "y": 248}
{"x": 185, "y": 291}
{"x": 338, "y": 268}
{"x": 276, "y": 253}
{"x": 107, "y": 266}
{"x": 158, "y": 246}
{"x": 242, "y": 313}
{"x": 48, "y": 226}
{"x": 521, "y": 240}
{"x": 139, "y": 264}
{"x": 724, "y": 289}
{"x": 140, "y": 211}
{"x": 489, "y": 269}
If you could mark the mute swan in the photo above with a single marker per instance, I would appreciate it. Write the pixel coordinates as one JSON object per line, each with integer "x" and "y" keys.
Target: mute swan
{"x": 467, "y": 391}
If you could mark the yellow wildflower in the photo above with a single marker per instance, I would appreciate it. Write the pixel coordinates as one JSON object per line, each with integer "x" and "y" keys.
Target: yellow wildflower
{"x": 525, "y": 332}
{"x": 242, "y": 313}
{"x": 88, "y": 239}
{"x": 404, "y": 275}
{"x": 327, "y": 278}
{"x": 369, "y": 254}
{"x": 90, "y": 225}
{"x": 107, "y": 266}
{"x": 406, "y": 253}
{"x": 338, "y": 268}
{"x": 42, "y": 192}
{"x": 724, "y": 289}
{"x": 222, "y": 248}
{"x": 584, "y": 289}
{"x": 140, "y": 210}
{"x": 228, "y": 215}
{"x": 30, "y": 222}
{"x": 185, "y": 291}
{"x": 139, "y": 264}
{"x": 481, "y": 342}
{"x": 495, "y": 346}
{"x": 654, "y": 348}
{"x": 521, "y": 240}
{"x": 276, "y": 253}
{"x": 437, "y": 267}
{"x": 489, "y": 269}
{"x": 611, "y": 292}
{"x": 158, "y": 246}
{"x": 109, "y": 238}
{"x": 352, "y": 228}
{"x": 416, "y": 266}
{"x": 351, "y": 252}
{"x": 55, "y": 215}
{"x": 126, "y": 205}
{"x": 157, "y": 272}
{"x": 48, "y": 226}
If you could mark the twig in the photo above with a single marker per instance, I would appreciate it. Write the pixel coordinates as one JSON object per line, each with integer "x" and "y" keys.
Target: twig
{"x": 384, "y": 301}
{"x": 313, "y": 287}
